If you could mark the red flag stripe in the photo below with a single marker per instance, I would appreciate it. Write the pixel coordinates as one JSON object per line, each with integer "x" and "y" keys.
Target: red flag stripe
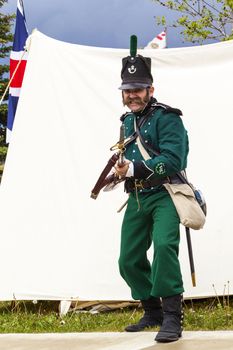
{"x": 161, "y": 36}
{"x": 18, "y": 78}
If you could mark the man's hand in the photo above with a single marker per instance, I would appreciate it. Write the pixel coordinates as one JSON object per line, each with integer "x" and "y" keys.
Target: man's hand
{"x": 121, "y": 171}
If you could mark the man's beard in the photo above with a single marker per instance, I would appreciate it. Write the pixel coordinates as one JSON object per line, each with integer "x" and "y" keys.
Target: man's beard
{"x": 142, "y": 102}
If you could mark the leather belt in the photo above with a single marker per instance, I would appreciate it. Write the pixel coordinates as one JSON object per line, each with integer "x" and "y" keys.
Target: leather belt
{"x": 132, "y": 184}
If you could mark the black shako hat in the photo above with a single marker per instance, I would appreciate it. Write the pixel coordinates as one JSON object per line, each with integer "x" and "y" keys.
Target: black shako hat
{"x": 136, "y": 69}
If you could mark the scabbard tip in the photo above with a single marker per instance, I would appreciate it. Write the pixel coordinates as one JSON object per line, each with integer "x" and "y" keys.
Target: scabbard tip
{"x": 93, "y": 195}
{"x": 193, "y": 280}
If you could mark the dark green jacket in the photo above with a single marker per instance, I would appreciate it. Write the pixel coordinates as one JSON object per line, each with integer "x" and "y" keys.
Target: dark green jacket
{"x": 163, "y": 131}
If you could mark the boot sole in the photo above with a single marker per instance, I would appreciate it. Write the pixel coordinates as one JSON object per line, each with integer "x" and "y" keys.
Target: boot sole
{"x": 141, "y": 329}
{"x": 167, "y": 340}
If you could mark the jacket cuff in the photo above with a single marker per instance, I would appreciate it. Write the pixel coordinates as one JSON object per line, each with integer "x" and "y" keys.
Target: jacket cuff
{"x": 142, "y": 171}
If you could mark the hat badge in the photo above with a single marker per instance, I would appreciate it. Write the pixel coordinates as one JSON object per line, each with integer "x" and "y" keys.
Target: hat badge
{"x": 132, "y": 69}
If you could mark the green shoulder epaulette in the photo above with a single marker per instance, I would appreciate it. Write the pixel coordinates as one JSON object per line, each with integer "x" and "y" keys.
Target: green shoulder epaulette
{"x": 122, "y": 118}
{"x": 167, "y": 108}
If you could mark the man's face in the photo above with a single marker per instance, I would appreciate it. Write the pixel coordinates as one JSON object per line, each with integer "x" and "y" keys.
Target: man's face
{"x": 137, "y": 99}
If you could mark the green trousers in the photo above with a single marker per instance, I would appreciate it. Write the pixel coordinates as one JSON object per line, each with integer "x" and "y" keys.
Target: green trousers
{"x": 157, "y": 222}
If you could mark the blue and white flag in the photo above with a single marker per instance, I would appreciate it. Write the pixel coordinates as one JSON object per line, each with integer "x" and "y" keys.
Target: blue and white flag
{"x": 18, "y": 60}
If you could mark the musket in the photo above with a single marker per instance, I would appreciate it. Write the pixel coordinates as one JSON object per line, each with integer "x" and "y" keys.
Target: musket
{"x": 113, "y": 179}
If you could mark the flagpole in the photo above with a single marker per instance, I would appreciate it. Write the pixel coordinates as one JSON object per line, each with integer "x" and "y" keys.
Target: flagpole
{"x": 8, "y": 85}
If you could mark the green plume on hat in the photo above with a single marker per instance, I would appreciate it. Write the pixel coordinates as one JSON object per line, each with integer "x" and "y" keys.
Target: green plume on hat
{"x": 133, "y": 45}
{"x": 136, "y": 69}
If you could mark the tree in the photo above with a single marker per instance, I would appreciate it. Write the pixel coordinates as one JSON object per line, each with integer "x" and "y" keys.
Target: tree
{"x": 6, "y": 38}
{"x": 201, "y": 20}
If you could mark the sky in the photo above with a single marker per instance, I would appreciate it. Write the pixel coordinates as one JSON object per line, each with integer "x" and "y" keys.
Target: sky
{"x": 102, "y": 23}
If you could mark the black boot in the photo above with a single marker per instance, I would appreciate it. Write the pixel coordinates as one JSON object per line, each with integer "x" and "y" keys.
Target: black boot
{"x": 171, "y": 329}
{"x": 153, "y": 315}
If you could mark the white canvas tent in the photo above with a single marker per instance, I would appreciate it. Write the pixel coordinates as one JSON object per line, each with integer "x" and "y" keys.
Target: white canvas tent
{"x": 57, "y": 242}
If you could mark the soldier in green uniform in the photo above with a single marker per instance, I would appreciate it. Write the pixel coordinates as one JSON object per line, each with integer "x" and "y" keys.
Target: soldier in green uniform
{"x": 150, "y": 216}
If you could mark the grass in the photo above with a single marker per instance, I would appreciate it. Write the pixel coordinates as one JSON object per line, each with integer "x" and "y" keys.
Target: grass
{"x": 209, "y": 315}
{"x": 43, "y": 317}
